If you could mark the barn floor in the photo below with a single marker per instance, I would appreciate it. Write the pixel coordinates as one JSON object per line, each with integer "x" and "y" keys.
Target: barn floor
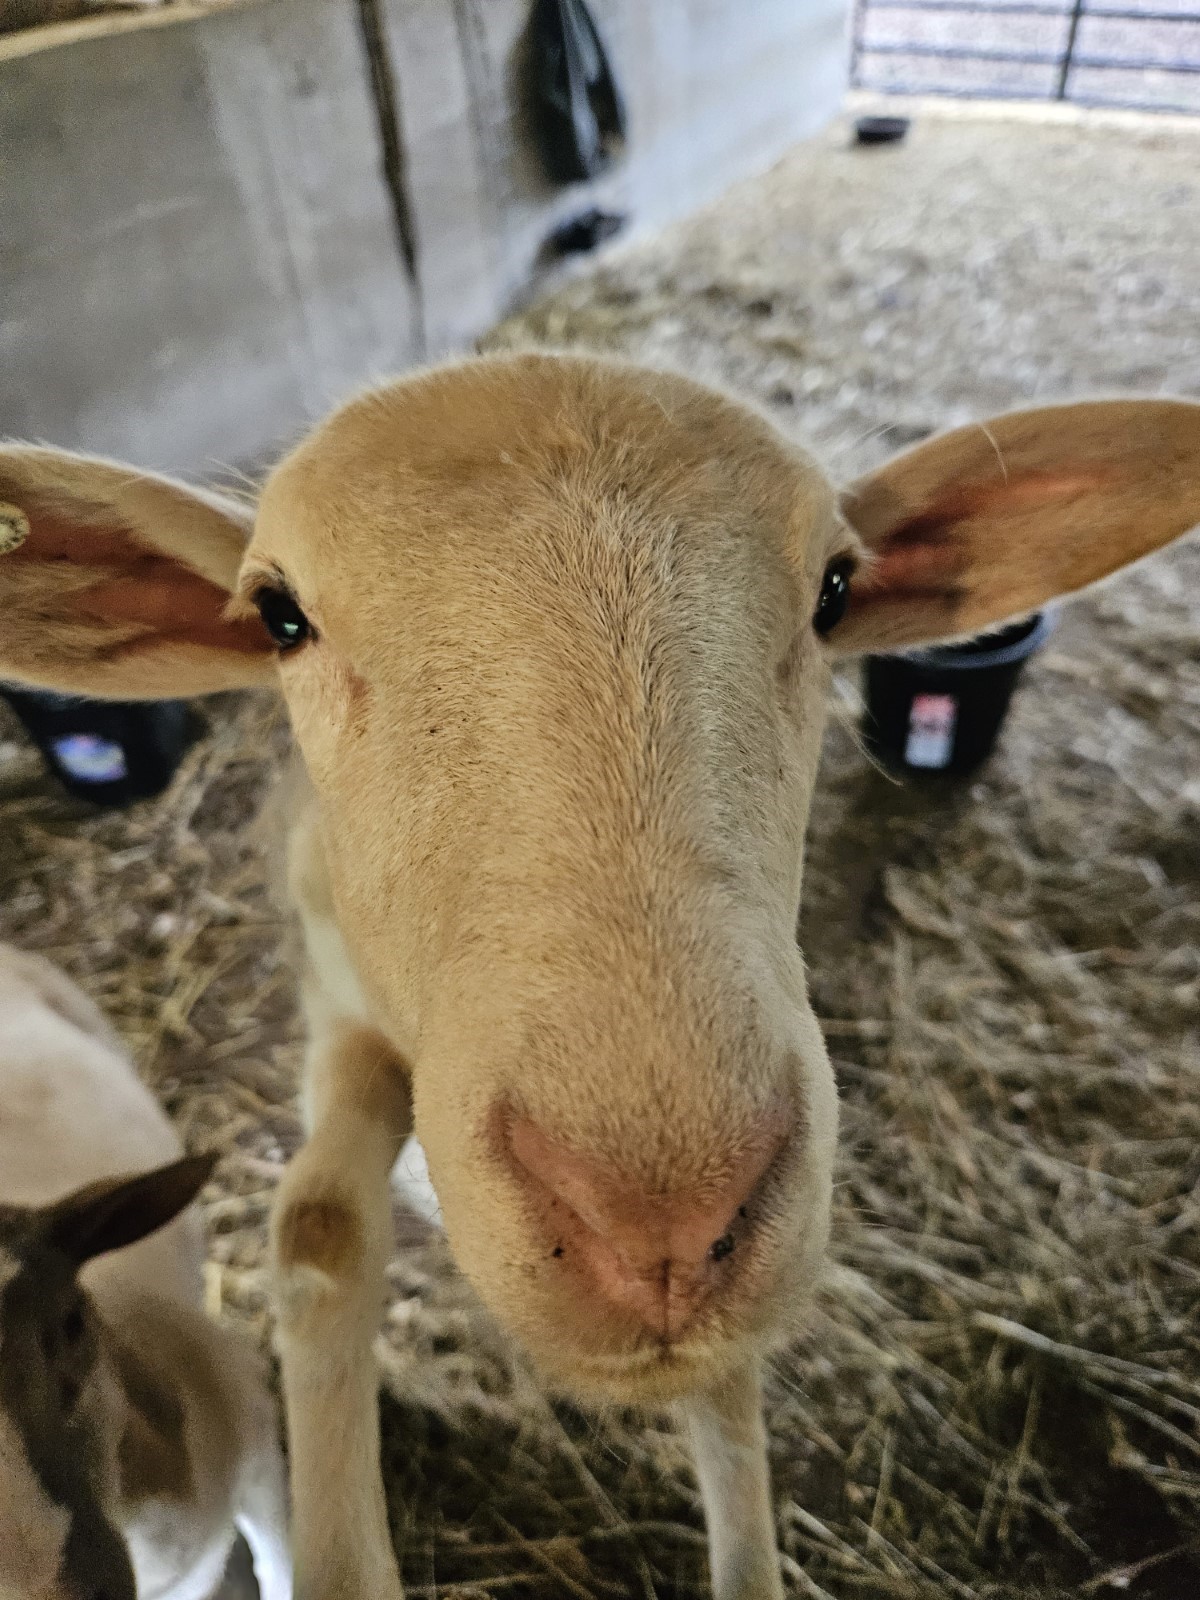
{"x": 1000, "y": 1394}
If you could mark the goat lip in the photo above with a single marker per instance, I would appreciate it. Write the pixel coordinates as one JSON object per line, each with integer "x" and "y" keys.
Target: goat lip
{"x": 653, "y": 1374}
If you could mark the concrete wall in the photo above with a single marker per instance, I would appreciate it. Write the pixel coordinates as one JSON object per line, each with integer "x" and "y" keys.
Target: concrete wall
{"x": 716, "y": 90}
{"x": 213, "y": 230}
{"x": 197, "y": 246}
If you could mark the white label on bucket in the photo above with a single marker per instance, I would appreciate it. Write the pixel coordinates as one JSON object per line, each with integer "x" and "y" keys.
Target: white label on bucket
{"x": 90, "y": 759}
{"x": 931, "y": 730}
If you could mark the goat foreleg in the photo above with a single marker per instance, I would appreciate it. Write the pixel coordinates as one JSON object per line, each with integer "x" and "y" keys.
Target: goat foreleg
{"x": 331, "y": 1238}
{"x": 729, "y": 1444}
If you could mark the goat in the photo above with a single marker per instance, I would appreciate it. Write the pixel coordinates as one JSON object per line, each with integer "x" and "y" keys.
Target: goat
{"x": 555, "y": 635}
{"x": 134, "y": 1432}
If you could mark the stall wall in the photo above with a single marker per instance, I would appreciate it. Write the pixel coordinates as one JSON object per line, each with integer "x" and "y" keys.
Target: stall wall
{"x": 214, "y": 230}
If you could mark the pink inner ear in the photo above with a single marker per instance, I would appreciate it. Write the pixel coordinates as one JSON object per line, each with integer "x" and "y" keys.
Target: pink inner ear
{"x": 174, "y": 604}
{"x": 135, "y": 585}
{"x": 923, "y": 567}
{"x": 927, "y": 556}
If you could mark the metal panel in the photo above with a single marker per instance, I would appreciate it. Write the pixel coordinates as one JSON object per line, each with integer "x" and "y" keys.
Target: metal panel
{"x": 1146, "y": 57}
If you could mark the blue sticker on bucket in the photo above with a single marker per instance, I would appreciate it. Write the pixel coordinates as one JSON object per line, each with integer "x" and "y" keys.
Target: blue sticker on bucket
{"x": 90, "y": 759}
{"x": 931, "y": 724}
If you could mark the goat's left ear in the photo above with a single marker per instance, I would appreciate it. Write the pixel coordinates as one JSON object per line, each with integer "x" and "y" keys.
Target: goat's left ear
{"x": 994, "y": 520}
{"x": 115, "y": 1212}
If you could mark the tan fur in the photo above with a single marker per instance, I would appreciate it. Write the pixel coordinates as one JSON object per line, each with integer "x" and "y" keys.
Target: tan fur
{"x": 329, "y": 1302}
{"x": 153, "y": 1455}
{"x": 33, "y": 1527}
{"x": 186, "y": 1425}
{"x": 322, "y": 1234}
{"x": 561, "y": 720}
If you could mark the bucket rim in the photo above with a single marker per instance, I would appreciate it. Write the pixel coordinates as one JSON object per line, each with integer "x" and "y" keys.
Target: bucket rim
{"x": 957, "y": 658}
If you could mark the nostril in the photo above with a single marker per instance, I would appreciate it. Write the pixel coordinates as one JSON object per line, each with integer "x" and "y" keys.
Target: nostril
{"x": 722, "y": 1247}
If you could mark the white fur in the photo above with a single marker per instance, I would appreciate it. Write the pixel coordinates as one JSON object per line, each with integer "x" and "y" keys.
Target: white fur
{"x": 73, "y": 1111}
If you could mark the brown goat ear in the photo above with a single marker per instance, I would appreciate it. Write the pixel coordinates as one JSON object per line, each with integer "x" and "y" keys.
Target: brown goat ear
{"x": 993, "y": 520}
{"x": 115, "y": 1212}
{"x": 114, "y": 583}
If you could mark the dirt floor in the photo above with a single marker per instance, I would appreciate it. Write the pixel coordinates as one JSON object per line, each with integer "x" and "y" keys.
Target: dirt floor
{"x": 1000, "y": 1394}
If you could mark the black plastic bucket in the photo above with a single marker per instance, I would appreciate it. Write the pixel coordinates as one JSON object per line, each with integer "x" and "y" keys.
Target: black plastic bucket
{"x": 108, "y": 752}
{"x": 941, "y": 710}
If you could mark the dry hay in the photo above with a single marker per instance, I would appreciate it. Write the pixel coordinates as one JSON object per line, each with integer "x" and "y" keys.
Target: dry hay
{"x": 1000, "y": 1395}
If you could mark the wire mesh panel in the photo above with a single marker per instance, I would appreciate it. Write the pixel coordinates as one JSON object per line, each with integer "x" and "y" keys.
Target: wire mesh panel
{"x": 1137, "y": 53}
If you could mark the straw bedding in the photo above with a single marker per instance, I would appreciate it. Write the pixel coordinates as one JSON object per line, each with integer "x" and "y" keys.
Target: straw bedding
{"x": 1000, "y": 1394}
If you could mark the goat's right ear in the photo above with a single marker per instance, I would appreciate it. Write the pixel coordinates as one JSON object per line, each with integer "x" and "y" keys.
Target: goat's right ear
{"x": 114, "y": 582}
{"x": 115, "y": 1212}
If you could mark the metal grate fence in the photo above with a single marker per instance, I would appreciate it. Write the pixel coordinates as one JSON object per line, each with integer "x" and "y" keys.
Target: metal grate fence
{"x": 1142, "y": 54}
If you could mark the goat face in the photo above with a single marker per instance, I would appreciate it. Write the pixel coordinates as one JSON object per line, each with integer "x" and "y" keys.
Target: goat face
{"x": 548, "y": 645}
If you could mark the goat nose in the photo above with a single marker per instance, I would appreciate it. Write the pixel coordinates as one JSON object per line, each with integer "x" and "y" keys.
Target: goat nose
{"x": 654, "y": 1256}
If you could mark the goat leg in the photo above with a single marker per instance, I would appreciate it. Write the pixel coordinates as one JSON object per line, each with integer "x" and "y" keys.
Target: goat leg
{"x": 331, "y": 1238}
{"x": 729, "y": 1444}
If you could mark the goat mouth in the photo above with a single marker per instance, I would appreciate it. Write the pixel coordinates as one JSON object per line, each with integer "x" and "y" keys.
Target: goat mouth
{"x": 653, "y": 1375}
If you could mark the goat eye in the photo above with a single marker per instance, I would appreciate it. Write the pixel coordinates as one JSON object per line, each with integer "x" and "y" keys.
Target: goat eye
{"x": 282, "y": 618}
{"x": 835, "y": 595}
